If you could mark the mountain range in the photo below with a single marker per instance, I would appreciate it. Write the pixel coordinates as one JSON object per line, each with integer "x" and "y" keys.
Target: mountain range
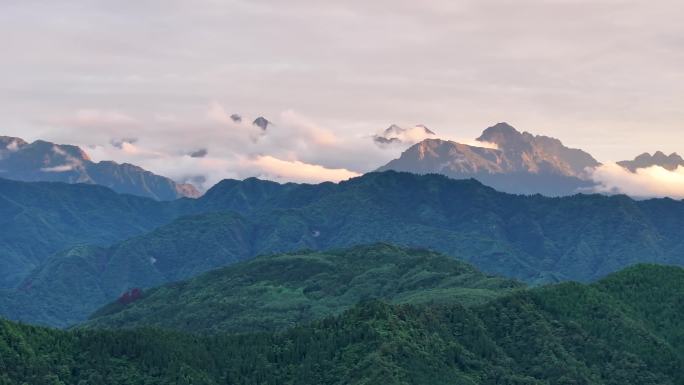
{"x": 41, "y": 218}
{"x": 623, "y": 330}
{"x": 391, "y": 277}
{"x": 516, "y": 163}
{"x": 669, "y": 162}
{"x": 45, "y": 161}
{"x": 505, "y": 159}
{"x": 531, "y": 238}
{"x": 512, "y": 161}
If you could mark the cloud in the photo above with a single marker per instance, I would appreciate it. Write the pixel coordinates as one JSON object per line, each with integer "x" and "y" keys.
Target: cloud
{"x": 309, "y": 130}
{"x": 13, "y": 146}
{"x": 395, "y": 135}
{"x": 9, "y": 147}
{"x": 94, "y": 118}
{"x": 283, "y": 170}
{"x": 648, "y": 182}
{"x": 216, "y": 113}
{"x": 118, "y": 143}
{"x": 60, "y": 168}
{"x": 294, "y": 149}
{"x": 481, "y": 143}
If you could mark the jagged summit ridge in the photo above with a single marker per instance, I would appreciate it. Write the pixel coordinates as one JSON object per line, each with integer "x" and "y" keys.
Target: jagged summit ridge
{"x": 47, "y": 161}
{"x": 669, "y": 162}
{"x": 521, "y": 163}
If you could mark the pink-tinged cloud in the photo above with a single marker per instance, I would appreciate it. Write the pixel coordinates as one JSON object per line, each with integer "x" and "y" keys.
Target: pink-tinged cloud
{"x": 653, "y": 181}
{"x": 94, "y": 118}
{"x": 297, "y": 171}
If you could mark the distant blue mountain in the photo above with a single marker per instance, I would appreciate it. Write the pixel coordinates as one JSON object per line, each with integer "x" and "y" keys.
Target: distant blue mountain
{"x": 45, "y": 161}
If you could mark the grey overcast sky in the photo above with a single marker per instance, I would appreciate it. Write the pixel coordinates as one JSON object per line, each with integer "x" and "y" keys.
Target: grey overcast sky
{"x": 163, "y": 77}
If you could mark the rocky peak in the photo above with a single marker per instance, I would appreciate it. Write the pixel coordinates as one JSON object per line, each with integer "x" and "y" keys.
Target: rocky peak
{"x": 393, "y": 130}
{"x": 427, "y": 130}
{"x": 47, "y": 161}
{"x": 669, "y": 162}
{"x": 262, "y": 123}
{"x": 11, "y": 143}
{"x": 501, "y": 134}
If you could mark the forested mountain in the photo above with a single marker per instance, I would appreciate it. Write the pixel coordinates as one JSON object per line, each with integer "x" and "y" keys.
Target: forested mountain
{"x": 519, "y": 162}
{"x": 275, "y": 292}
{"x": 39, "y": 219}
{"x": 623, "y": 330}
{"x": 530, "y": 238}
{"x": 46, "y": 161}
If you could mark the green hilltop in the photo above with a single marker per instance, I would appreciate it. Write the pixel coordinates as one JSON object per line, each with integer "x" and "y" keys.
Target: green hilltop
{"x": 278, "y": 291}
{"x": 612, "y": 332}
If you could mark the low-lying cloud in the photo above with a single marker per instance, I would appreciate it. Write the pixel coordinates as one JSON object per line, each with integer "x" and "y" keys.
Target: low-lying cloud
{"x": 60, "y": 168}
{"x": 654, "y": 181}
{"x": 214, "y": 144}
{"x": 218, "y": 143}
{"x": 283, "y": 170}
{"x": 396, "y": 135}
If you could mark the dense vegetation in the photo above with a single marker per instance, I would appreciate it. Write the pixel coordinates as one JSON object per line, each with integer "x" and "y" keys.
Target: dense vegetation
{"x": 39, "y": 219}
{"x": 279, "y": 291}
{"x": 609, "y": 333}
{"x": 530, "y": 238}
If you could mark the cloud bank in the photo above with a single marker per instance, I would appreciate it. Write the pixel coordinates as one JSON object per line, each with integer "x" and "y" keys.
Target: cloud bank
{"x": 654, "y": 181}
{"x": 215, "y": 144}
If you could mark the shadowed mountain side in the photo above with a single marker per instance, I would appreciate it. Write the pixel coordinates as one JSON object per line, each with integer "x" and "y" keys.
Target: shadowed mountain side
{"x": 39, "y": 219}
{"x": 530, "y": 238}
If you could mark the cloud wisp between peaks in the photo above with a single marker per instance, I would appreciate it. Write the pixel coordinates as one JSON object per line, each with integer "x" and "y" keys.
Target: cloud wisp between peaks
{"x": 215, "y": 143}
{"x": 649, "y": 182}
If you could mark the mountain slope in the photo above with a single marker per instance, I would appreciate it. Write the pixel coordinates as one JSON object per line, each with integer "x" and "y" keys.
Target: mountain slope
{"x": 45, "y": 161}
{"x": 521, "y": 163}
{"x": 39, "y": 219}
{"x": 274, "y": 292}
{"x": 73, "y": 283}
{"x": 530, "y": 238}
{"x": 565, "y": 334}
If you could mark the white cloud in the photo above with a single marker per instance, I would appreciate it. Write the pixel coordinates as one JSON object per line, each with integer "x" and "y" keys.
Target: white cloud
{"x": 402, "y": 136}
{"x": 653, "y": 181}
{"x": 294, "y": 148}
{"x": 60, "y": 168}
{"x": 480, "y": 143}
{"x": 13, "y": 146}
{"x": 283, "y": 170}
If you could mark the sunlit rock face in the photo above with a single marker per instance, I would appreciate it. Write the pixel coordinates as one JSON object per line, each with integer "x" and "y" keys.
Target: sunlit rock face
{"x": 508, "y": 160}
{"x": 45, "y": 161}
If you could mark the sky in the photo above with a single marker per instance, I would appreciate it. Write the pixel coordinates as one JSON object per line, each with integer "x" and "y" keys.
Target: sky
{"x": 155, "y": 82}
